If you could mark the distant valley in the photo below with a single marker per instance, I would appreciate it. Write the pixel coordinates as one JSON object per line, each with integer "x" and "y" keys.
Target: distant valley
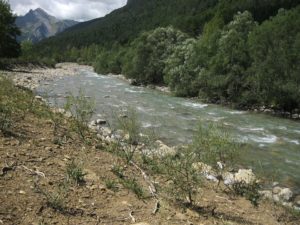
{"x": 37, "y": 25}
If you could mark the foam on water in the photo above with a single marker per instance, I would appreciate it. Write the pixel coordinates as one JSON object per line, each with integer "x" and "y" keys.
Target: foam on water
{"x": 133, "y": 91}
{"x": 236, "y": 112}
{"x": 195, "y": 105}
{"x": 251, "y": 128}
{"x": 267, "y": 139}
{"x": 296, "y": 142}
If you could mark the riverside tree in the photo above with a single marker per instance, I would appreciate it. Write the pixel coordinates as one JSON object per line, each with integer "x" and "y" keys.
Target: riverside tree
{"x": 9, "y": 46}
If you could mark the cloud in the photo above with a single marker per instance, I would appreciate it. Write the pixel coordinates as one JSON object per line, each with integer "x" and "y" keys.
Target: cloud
{"x": 80, "y": 10}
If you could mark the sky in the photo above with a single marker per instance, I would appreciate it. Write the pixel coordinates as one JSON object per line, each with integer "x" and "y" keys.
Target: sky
{"x": 80, "y": 10}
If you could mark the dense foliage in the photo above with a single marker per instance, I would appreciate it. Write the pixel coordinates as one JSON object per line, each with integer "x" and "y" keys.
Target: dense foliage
{"x": 8, "y": 32}
{"x": 240, "y": 52}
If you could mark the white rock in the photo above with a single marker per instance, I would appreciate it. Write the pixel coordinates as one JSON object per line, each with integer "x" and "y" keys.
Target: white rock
{"x": 228, "y": 178}
{"x": 286, "y": 194}
{"x": 276, "y": 190}
{"x": 246, "y": 176}
{"x": 266, "y": 194}
{"x": 163, "y": 149}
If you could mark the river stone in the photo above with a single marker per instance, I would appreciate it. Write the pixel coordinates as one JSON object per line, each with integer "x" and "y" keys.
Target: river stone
{"x": 105, "y": 131}
{"x": 266, "y": 194}
{"x": 286, "y": 194}
{"x": 100, "y": 122}
{"x": 297, "y": 201}
{"x": 276, "y": 190}
{"x": 163, "y": 149}
{"x": 228, "y": 178}
{"x": 246, "y": 176}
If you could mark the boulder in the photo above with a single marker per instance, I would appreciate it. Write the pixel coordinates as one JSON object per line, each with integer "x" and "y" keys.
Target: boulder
{"x": 246, "y": 176}
{"x": 285, "y": 195}
{"x": 276, "y": 190}
{"x": 297, "y": 201}
{"x": 266, "y": 194}
{"x": 105, "y": 131}
{"x": 163, "y": 149}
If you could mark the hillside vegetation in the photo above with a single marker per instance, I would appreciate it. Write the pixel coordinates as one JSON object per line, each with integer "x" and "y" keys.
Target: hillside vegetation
{"x": 241, "y": 52}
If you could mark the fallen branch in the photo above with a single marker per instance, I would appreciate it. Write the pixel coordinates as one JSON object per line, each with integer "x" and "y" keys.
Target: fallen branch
{"x": 152, "y": 188}
{"x": 34, "y": 172}
{"x": 132, "y": 217}
{"x": 156, "y": 208}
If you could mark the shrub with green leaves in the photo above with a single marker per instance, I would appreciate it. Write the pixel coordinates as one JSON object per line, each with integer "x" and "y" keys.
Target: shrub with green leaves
{"x": 216, "y": 147}
{"x": 184, "y": 177}
{"x": 82, "y": 109}
{"x": 131, "y": 126}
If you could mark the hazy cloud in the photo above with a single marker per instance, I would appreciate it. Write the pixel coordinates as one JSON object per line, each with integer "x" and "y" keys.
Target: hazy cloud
{"x": 80, "y": 10}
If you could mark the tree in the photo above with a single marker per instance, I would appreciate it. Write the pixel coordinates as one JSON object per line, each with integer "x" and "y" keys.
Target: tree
{"x": 180, "y": 71}
{"x": 26, "y": 47}
{"x": 151, "y": 51}
{"x": 275, "y": 51}
{"x": 228, "y": 67}
{"x": 9, "y": 46}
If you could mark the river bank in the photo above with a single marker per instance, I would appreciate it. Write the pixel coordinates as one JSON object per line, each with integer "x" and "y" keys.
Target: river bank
{"x": 36, "y": 76}
{"x": 36, "y": 186}
{"x": 295, "y": 115}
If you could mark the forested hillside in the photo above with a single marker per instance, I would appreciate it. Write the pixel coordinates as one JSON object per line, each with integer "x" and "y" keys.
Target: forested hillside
{"x": 244, "y": 52}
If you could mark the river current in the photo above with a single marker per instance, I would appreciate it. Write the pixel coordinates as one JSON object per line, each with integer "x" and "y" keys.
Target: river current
{"x": 272, "y": 144}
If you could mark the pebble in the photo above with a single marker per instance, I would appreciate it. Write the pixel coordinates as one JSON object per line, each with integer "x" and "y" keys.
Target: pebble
{"x": 22, "y": 192}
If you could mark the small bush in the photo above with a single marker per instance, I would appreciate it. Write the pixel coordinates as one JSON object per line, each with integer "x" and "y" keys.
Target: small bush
{"x": 131, "y": 126}
{"x": 56, "y": 198}
{"x": 249, "y": 191}
{"x": 134, "y": 186}
{"x": 82, "y": 110}
{"x": 75, "y": 173}
{"x": 184, "y": 178}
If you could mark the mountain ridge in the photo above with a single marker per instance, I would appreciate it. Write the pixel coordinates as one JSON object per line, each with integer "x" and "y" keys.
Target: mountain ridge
{"x": 37, "y": 25}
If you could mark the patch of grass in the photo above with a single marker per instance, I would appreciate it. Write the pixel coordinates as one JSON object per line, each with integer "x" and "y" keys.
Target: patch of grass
{"x": 134, "y": 186}
{"x": 75, "y": 173}
{"x": 118, "y": 171}
{"x": 55, "y": 199}
{"x": 111, "y": 185}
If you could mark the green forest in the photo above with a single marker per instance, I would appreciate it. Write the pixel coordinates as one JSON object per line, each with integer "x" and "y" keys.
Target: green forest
{"x": 245, "y": 53}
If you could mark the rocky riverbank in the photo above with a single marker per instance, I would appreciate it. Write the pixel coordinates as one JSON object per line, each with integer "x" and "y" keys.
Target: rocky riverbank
{"x": 31, "y": 77}
{"x": 36, "y": 188}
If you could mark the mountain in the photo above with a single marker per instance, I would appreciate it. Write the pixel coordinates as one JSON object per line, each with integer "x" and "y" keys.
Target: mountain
{"x": 190, "y": 16}
{"x": 37, "y": 25}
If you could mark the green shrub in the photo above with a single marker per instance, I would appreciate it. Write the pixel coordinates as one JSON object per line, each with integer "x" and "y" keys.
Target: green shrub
{"x": 82, "y": 110}
{"x": 184, "y": 177}
{"x": 134, "y": 186}
{"x": 75, "y": 172}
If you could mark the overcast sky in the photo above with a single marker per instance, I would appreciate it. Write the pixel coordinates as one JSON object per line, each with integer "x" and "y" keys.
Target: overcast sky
{"x": 80, "y": 10}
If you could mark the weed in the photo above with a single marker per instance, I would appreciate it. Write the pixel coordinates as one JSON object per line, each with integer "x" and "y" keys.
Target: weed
{"x": 118, "y": 171}
{"x": 82, "y": 110}
{"x": 111, "y": 185}
{"x": 56, "y": 198}
{"x": 134, "y": 186}
{"x": 75, "y": 173}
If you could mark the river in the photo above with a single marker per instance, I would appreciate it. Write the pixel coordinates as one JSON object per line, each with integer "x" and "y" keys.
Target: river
{"x": 272, "y": 143}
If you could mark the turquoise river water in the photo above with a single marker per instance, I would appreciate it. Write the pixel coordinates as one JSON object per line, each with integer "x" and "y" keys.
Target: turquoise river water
{"x": 272, "y": 143}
